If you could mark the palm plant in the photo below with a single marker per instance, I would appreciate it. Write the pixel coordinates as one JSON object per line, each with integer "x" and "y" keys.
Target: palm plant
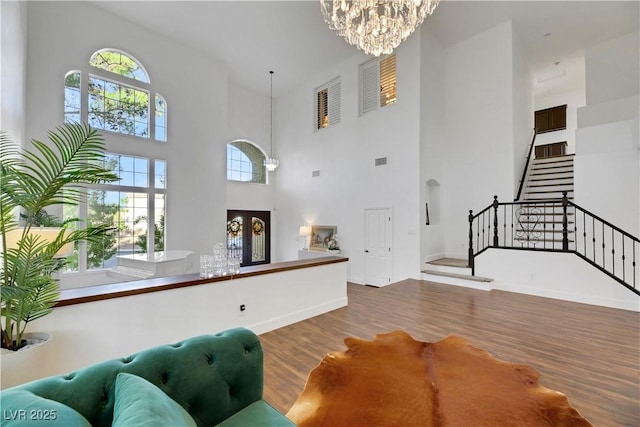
{"x": 31, "y": 181}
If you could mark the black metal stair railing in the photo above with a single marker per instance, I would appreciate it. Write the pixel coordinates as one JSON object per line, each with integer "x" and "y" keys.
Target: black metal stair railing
{"x": 556, "y": 226}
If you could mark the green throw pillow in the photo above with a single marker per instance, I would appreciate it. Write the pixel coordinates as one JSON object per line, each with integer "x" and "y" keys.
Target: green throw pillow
{"x": 23, "y": 408}
{"x": 140, "y": 403}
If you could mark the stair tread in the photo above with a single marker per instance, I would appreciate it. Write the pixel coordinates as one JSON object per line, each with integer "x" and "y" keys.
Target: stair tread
{"x": 458, "y": 276}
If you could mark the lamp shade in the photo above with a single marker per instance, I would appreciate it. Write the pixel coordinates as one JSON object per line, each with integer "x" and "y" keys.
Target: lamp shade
{"x": 47, "y": 234}
{"x": 305, "y": 230}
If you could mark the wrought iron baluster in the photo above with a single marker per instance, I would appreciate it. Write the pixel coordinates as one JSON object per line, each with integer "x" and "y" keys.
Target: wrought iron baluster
{"x": 470, "y": 255}
{"x": 634, "y": 264}
{"x": 613, "y": 253}
{"x": 504, "y": 225}
{"x": 565, "y": 222}
{"x": 624, "y": 272}
{"x": 584, "y": 233}
{"x": 512, "y": 207}
{"x": 593, "y": 223}
{"x": 495, "y": 221}
{"x": 603, "y": 247}
{"x": 484, "y": 244}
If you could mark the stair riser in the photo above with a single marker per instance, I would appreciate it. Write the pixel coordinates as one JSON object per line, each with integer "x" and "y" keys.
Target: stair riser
{"x": 550, "y": 181}
{"x": 567, "y": 171}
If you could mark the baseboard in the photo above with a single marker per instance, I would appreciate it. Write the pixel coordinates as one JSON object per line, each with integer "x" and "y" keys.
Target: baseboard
{"x": 297, "y": 316}
{"x": 631, "y": 305}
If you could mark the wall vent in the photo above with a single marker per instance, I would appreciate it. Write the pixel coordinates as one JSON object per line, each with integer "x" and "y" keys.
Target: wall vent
{"x": 315, "y": 174}
{"x": 381, "y": 161}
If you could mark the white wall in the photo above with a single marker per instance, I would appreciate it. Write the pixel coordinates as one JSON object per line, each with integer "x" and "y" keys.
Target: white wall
{"x": 62, "y": 37}
{"x": 249, "y": 119}
{"x": 607, "y": 169}
{"x": 88, "y": 333}
{"x": 574, "y": 99}
{"x": 612, "y": 69}
{"x": 13, "y": 63}
{"x": 607, "y": 162}
{"x": 522, "y": 105}
{"x": 433, "y": 148}
{"x": 479, "y": 162}
{"x": 553, "y": 275}
{"x": 344, "y": 154}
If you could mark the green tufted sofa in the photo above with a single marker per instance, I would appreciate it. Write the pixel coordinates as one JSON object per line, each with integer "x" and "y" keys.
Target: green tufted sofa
{"x": 211, "y": 380}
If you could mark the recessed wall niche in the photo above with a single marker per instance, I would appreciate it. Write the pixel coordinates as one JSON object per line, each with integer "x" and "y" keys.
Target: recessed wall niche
{"x": 434, "y": 205}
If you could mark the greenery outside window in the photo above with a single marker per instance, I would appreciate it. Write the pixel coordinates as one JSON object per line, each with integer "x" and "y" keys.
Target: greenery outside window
{"x": 130, "y": 205}
{"x": 120, "y": 97}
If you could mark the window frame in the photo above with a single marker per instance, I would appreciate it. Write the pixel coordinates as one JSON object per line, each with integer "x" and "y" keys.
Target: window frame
{"x": 332, "y": 105}
{"x": 256, "y": 158}
{"x": 151, "y": 190}
{"x": 87, "y": 71}
{"x": 372, "y": 89}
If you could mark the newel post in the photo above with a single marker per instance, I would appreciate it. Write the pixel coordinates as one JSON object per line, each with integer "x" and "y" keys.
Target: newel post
{"x": 471, "y": 260}
{"x": 565, "y": 222}
{"x": 495, "y": 221}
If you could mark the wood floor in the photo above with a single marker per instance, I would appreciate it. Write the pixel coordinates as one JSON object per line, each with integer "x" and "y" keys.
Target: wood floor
{"x": 589, "y": 353}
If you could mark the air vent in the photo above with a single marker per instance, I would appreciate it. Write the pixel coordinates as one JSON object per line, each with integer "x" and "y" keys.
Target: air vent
{"x": 381, "y": 161}
{"x": 315, "y": 174}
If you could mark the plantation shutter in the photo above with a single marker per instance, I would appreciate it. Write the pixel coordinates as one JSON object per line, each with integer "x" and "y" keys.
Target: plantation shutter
{"x": 369, "y": 86}
{"x": 377, "y": 83}
{"x": 327, "y": 105}
{"x": 334, "y": 102}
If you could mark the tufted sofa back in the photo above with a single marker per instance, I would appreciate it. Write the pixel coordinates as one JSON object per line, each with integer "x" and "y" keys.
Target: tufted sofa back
{"x": 211, "y": 376}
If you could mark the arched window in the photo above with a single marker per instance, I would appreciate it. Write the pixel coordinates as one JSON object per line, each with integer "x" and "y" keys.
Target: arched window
{"x": 245, "y": 162}
{"x": 119, "y": 97}
{"x": 113, "y": 93}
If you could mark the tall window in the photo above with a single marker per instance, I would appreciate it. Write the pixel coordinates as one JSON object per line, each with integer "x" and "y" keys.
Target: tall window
{"x": 327, "y": 104}
{"x": 134, "y": 206}
{"x": 377, "y": 83}
{"x": 113, "y": 93}
{"x": 119, "y": 97}
{"x": 245, "y": 162}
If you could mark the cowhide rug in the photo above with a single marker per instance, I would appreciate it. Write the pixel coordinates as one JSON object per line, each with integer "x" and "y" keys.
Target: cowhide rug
{"x": 395, "y": 380}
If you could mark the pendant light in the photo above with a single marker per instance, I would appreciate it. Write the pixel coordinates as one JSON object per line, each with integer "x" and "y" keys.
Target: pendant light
{"x": 270, "y": 162}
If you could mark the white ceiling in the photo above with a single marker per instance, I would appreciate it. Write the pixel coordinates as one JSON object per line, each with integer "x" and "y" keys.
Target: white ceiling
{"x": 291, "y": 38}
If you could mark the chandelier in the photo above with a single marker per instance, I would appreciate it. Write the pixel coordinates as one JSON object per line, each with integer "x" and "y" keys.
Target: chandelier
{"x": 376, "y": 26}
{"x": 271, "y": 163}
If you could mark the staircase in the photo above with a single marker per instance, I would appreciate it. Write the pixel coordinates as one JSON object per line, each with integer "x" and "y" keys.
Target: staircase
{"x": 456, "y": 272}
{"x": 540, "y": 226}
{"x": 549, "y": 177}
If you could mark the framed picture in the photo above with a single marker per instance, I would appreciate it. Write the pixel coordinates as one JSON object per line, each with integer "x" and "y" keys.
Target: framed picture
{"x": 320, "y": 236}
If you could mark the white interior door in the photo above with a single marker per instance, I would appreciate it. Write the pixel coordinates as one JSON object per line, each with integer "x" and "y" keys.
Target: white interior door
{"x": 377, "y": 249}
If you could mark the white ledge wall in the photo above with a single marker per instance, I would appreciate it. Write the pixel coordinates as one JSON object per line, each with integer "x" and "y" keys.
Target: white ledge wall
{"x": 553, "y": 275}
{"x": 93, "y": 332}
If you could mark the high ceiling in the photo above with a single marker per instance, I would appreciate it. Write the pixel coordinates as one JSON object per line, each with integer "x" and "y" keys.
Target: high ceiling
{"x": 291, "y": 38}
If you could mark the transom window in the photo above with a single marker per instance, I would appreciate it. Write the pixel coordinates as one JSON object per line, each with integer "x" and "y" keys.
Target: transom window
{"x": 327, "y": 105}
{"x": 245, "y": 162}
{"x": 377, "y": 83}
{"x": 119, "y": 95}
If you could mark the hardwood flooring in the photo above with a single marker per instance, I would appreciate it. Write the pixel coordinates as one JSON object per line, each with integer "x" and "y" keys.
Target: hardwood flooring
{"x": 589, "y": 353}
